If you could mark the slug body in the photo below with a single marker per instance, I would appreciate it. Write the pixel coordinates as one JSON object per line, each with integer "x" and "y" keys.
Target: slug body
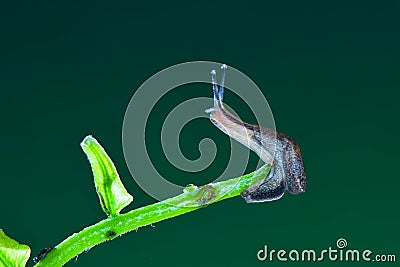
{"x": 274, "y": 148}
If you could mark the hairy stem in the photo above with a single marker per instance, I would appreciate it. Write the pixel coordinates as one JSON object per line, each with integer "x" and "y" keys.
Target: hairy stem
{"x": 113, "y": 227}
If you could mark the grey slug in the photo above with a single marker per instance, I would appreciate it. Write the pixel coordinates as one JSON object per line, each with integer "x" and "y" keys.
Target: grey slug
{"x": 274, "y": 148}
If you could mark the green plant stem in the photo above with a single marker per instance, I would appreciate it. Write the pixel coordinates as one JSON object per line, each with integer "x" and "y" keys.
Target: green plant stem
{"x": 113, "y": 227}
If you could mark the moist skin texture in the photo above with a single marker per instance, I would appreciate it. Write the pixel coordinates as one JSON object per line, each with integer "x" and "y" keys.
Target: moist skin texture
{"x": 274, "y": 148}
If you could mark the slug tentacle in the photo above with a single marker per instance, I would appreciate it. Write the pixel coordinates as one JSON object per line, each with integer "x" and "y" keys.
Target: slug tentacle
{"x": 222, "y": 84}
{"x": 216, "y": 90}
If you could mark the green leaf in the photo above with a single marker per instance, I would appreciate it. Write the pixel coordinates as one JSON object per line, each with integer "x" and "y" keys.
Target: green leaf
{"x": 12, "y": 253}
{"x": 112, "y": 193}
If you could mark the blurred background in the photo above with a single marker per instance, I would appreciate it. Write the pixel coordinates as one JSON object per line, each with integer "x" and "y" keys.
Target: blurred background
{"x": 329, "y": 69}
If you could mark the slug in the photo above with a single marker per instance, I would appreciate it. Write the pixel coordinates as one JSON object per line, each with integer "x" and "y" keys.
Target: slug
{"x": 278, "y": 150}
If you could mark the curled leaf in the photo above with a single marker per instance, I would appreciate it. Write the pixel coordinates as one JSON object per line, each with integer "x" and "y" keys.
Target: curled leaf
{"x": 12, "y": 253}
{"x": 112, "y": 193}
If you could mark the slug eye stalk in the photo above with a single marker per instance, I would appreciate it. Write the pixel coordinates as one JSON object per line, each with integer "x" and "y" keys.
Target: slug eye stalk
{"x": 218, "y": 90}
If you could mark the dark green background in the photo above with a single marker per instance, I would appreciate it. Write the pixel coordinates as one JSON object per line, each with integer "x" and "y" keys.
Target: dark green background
{"x": 330, "y": 71}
